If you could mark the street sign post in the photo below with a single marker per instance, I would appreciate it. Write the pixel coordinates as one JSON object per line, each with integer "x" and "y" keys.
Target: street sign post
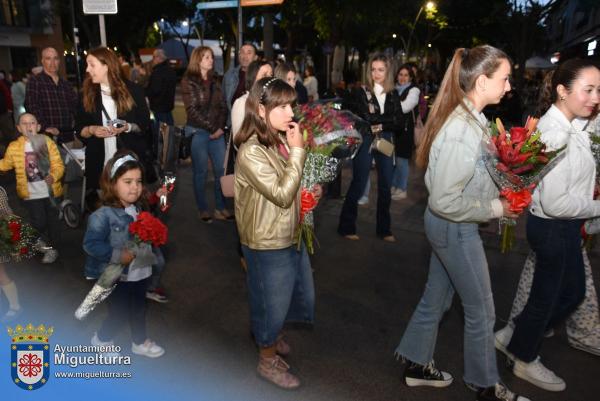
{"x": 100, "y": 7}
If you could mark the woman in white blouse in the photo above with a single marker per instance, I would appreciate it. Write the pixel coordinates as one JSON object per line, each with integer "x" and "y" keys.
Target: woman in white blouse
{"x": 311, "y": 84}
{"x": 256, "y": 70}
{"x": 113, "y": 114}
{"x": 405, "y": 136}
{"x": 561, "y": 202}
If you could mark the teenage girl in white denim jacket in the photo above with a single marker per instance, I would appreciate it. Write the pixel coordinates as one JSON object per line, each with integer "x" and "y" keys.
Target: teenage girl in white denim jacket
{"x": 461, "y": 194}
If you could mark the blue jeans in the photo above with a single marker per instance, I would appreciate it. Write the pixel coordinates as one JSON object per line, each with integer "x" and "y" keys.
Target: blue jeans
{"x": 400, "y": 178}
{"x": 558, "y": 285}
{"x": 202, "y": 148}
{"x": 280, "y": 289}
{"x": 361, "y": 167}
{"x": 458, "y": 264}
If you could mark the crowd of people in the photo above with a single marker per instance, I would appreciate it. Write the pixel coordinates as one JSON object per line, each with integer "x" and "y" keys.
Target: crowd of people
{"x": 253, "y": 104}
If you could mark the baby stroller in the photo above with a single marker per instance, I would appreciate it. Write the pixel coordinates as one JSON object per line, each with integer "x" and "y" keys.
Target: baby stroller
{"x": 74, "y": 161}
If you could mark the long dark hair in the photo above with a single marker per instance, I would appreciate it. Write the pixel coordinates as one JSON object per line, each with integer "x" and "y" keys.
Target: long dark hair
{"x": 459, "y": 79}
{"x": 564, "y": 75}
{"x": 252, "y": 72}
{"x": 118, "y": 88}
{"x": 109, "y": 196}
{"x": 270, "y": 93}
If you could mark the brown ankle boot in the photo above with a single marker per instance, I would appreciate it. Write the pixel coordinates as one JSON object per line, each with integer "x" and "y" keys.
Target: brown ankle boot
{"x": 275, "y": 370}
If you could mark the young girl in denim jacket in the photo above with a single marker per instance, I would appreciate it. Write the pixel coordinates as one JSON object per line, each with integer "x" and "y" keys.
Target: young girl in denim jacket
{"x": 105, "y": 242}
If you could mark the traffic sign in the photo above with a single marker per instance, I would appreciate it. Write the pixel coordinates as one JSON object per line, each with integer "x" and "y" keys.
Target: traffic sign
{"x": 100, "y": 7}
{"x": 249, "y": 3}
{"x": 209, "y": 5}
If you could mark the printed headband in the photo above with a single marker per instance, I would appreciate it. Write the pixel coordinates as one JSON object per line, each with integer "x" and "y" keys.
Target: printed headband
{"x": 120, "y": 161}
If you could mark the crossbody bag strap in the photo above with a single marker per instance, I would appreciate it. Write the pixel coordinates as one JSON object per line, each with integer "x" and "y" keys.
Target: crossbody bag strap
{"x": 226, "y": 161}
{"x": 120, "y": 143}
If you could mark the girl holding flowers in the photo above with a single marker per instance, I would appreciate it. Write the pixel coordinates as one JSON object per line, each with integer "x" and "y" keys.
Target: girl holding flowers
{"x": 268, "y": 173}
{"x": 461, "y": 195}
{"x": 561, "y": 202}
{"x": 105, "y": 242}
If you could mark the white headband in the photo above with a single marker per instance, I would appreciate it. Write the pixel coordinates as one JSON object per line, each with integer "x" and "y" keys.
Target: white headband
{"x": 120, "y": 161}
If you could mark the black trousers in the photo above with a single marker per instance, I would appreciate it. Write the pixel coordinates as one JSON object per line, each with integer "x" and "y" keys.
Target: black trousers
{"x": 44, "y": 218}
{"x": 126, "y": 303}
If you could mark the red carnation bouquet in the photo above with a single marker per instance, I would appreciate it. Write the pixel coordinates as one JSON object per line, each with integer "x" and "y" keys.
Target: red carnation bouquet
{"x": 517, "y": 160}
{"x": 147, "y": 228}
{"x": 147, "y": 231}
{"x": 17, "y": 239}
{"x": 329, "y": 136}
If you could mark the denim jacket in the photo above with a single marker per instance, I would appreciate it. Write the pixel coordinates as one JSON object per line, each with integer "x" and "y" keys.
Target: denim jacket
{"x": 460, "y": 188}
{"x": 106, "y": 235}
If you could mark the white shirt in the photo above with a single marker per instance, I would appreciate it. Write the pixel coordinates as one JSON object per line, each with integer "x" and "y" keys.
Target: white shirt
{"x": 411, "y": 101}
{"x": 238, "y": 111}
{"x": 37, "y": 187}
{"x": 567, "y": 191}
{"x": 380, "y": 96}
{"x": 312, "y": 87}
{"x": 110, "y": 143}
{"x": 138, "y": 273}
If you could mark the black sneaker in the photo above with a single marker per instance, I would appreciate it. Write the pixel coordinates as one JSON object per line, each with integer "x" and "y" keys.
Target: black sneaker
{"x": 428, "y": 375}
{"x": 499, "y": 392}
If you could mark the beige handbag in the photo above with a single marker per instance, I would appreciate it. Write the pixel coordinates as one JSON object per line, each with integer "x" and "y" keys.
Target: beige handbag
{"x": 383, "y": 146}
{"x": 227, "y": 180}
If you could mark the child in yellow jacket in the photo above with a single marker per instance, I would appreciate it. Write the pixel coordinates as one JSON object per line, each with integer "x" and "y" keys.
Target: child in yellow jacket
{"x": 38, "y": 170}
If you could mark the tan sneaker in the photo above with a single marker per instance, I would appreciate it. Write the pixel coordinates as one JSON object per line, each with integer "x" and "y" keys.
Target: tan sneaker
{"x": 275, "y": 370}
{"x": 223, "y": 215}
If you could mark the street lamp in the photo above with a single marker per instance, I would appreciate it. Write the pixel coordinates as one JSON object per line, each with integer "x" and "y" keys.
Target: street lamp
{"x": 430, "y": 6}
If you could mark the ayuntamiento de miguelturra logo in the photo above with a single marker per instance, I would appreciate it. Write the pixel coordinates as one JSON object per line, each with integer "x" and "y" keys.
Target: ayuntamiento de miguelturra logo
{"x": 30, "y": 355}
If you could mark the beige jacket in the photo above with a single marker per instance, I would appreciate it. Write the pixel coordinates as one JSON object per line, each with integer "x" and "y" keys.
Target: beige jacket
{"x": 267, "y": 196}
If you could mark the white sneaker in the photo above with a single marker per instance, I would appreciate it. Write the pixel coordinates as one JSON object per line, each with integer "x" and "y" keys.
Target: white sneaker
{"x": 99, "y": 343}
{"x": 148, "y": 348}
{"x": 592, "y": 346}
{"x": 539, "y": 375}
{"x": 399, "y": 195}
{"x": 50, "y": 256}
{"x": 363, "y": 200}
{"x": 502, "y": 339}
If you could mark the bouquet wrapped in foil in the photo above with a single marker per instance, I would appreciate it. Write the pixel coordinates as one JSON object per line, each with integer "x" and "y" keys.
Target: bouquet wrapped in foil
{"x": 329, "y": 137}
{"x": 147, "y": 231}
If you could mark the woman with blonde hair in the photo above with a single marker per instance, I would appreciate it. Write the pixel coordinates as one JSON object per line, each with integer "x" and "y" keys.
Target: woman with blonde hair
{"x": 461, "y": 195}
{"x": 377, "y": 103}
{"x": 112, "y": 115}
{"x": 206, "y": 118}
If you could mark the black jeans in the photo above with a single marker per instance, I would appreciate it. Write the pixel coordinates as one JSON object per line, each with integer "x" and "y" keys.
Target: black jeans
{"x": 361, "y": 168}
{"x": 558, "y": 282}
{"x": 44, "y": 218}
{"x": 127, "y": 302}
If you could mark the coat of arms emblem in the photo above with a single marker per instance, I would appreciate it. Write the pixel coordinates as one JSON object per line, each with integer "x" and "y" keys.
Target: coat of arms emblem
{"x": 30, "y": 355}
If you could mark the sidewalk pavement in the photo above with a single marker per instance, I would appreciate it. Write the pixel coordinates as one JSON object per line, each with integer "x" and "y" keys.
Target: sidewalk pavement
{"x": 366, "y": 292}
